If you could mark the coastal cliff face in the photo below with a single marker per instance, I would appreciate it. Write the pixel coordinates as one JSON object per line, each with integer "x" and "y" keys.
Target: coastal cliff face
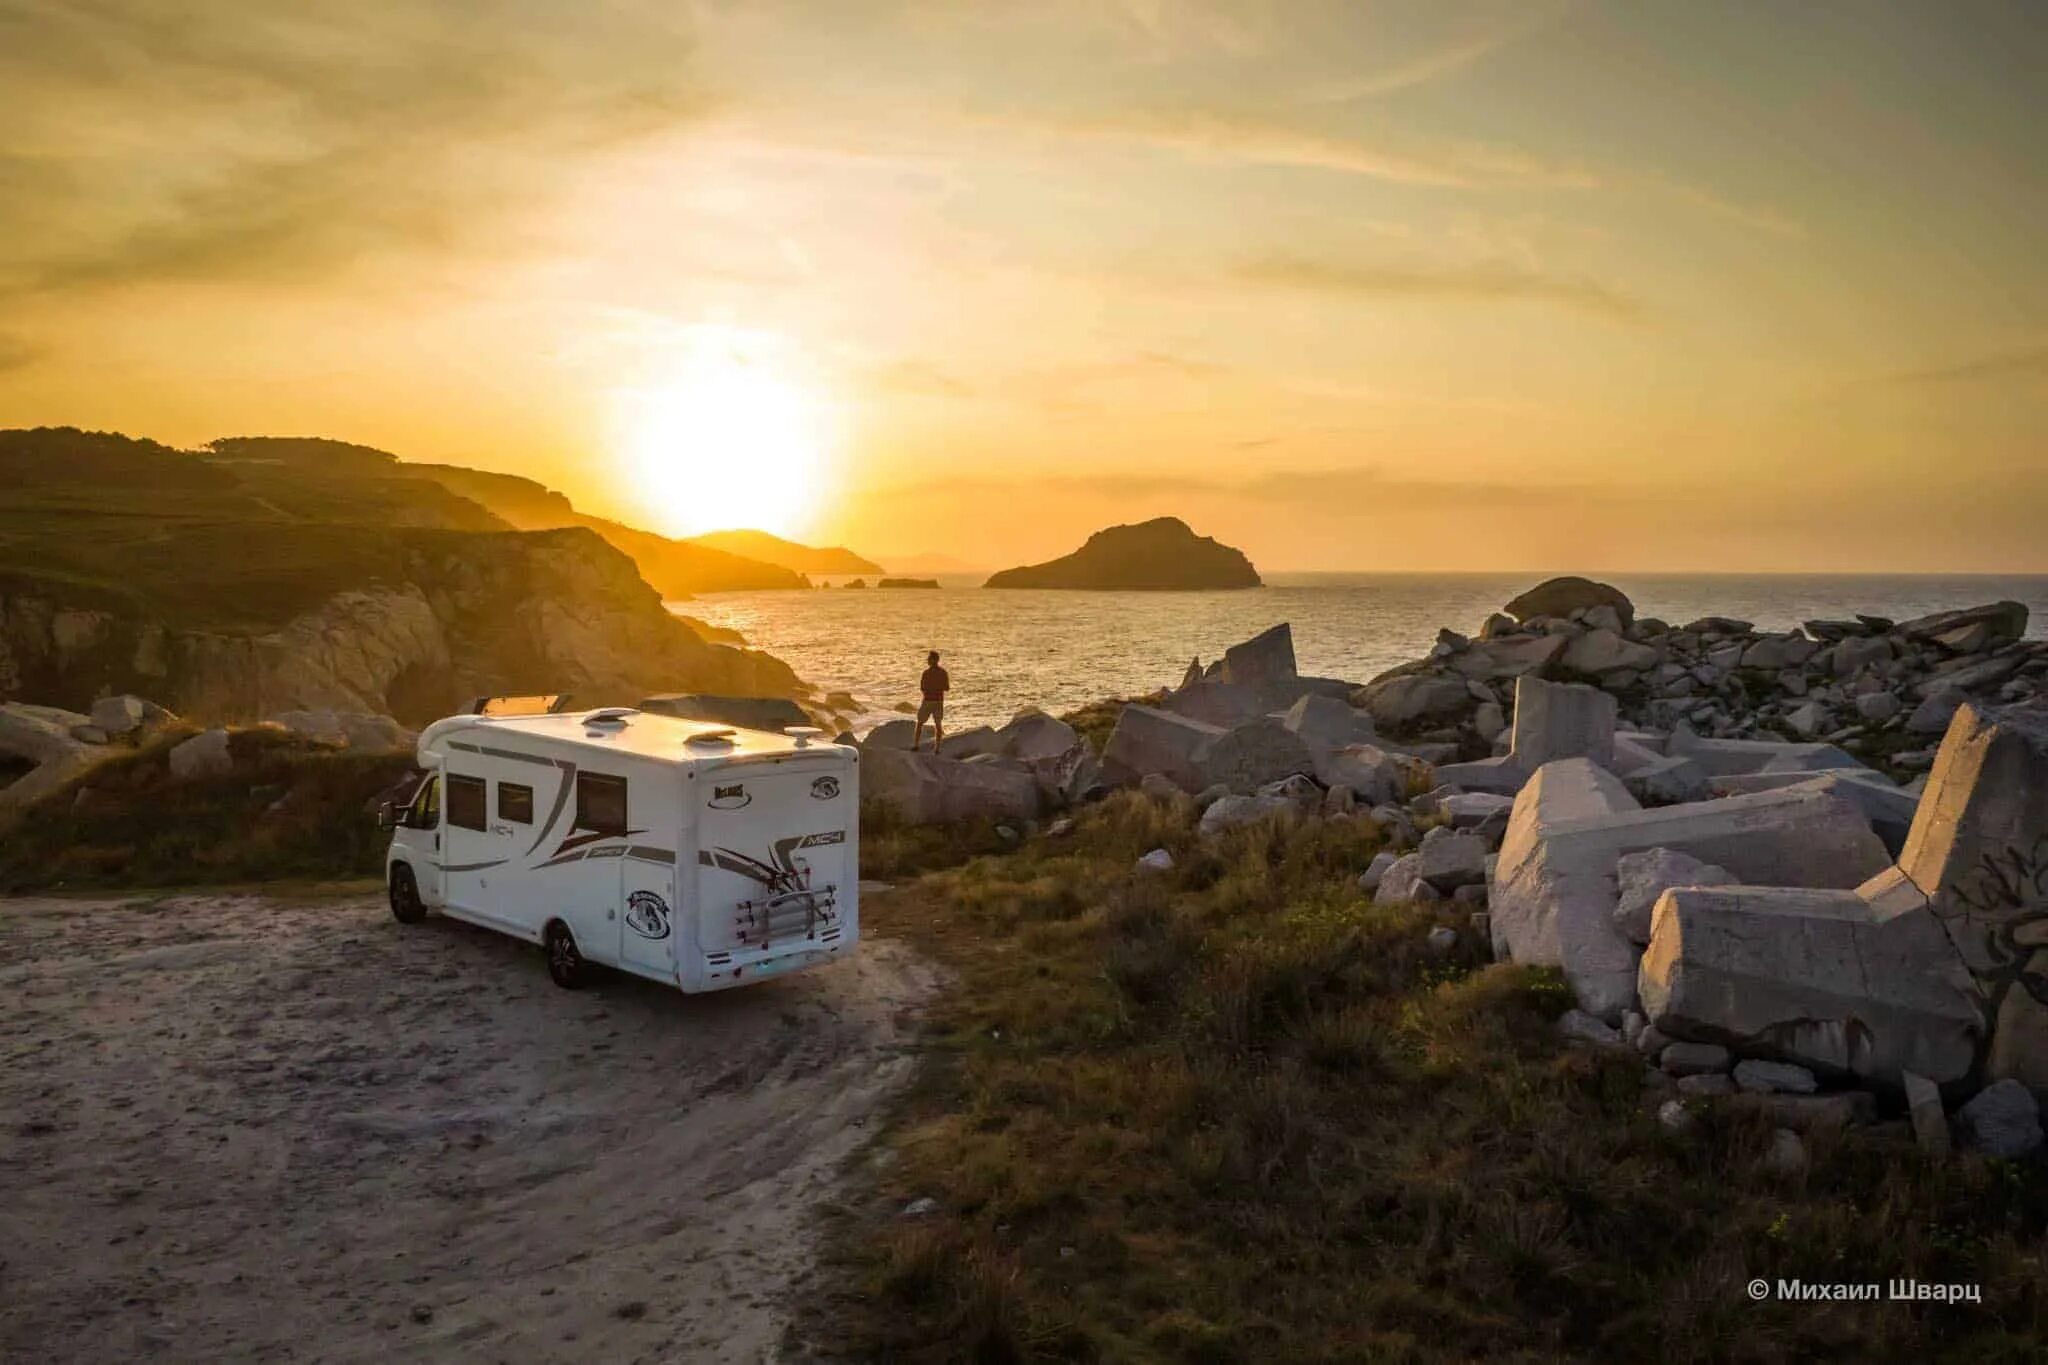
{"x": 472, "y": 615}
{"x": 274, "y": 576}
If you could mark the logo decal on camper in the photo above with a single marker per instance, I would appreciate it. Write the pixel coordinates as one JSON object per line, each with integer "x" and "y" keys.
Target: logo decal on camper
{"x": 825, "y": 788}
{"x": 647, "y": 914}
{"x": 783, "y": 873}
{"x": 730, "y": 798}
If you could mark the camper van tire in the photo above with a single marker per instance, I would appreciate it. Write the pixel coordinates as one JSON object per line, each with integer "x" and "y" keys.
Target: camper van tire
{"x": 565, "y": 962}
{"x": 406, "y": 905}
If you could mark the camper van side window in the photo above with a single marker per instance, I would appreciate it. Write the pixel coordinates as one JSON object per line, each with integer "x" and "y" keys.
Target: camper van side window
{"x": 466, "y": 802}
{"x": 515, "y": 803}
{"x": 601, "y": 803}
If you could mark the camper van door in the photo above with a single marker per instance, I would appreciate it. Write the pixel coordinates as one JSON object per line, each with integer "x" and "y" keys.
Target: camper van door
{"x": 649, "y": 920}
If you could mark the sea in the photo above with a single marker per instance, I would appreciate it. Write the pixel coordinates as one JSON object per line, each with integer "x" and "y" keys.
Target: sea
{"x": 1011, "y": 648}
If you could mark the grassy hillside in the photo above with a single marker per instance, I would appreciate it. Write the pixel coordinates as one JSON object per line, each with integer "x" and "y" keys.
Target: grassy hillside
{"x": 1233, "y": 1112}
{"x": 243, "y": 541}
{"x": 804, "y": 559}
{"x": 676, "y": 568}
{"x": 290, "y": 809}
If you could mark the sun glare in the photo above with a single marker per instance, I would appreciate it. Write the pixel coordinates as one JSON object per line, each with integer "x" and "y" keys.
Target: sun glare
{"x": 725, "y": 435}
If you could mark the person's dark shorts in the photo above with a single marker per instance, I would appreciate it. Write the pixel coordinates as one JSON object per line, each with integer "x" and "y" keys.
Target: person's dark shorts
{"x": 933, "y": 709}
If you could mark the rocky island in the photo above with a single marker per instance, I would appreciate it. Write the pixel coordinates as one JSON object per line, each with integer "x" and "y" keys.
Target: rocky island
{"x": 1157, "y": 555}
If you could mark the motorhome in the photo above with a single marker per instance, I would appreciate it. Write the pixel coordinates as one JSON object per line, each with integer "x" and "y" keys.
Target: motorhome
{"x": 699, "y": 855}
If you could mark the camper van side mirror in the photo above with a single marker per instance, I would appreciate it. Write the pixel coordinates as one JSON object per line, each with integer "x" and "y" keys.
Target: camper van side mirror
{"x": 387, "y": 817}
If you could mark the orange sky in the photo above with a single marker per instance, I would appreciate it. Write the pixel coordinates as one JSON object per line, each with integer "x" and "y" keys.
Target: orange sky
{"x": 1380, "y": 286}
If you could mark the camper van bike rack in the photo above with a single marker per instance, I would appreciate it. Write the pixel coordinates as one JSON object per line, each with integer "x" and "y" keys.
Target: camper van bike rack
{"x": 790, "y": 914}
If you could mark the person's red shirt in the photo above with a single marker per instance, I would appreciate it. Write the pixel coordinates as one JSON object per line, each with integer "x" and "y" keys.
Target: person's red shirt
{"x": 934, "y": 683}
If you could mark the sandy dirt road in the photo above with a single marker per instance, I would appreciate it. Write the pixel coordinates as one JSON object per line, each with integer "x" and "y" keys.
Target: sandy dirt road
{"x": 249, "y": 1129}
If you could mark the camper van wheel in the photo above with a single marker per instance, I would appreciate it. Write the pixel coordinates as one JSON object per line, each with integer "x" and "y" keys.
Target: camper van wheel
{"x": 565, "y": 962}
{"x": 406, "y": 905}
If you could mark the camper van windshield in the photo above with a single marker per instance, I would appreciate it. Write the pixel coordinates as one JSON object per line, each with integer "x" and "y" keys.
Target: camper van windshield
{"x": 426, "y": 805}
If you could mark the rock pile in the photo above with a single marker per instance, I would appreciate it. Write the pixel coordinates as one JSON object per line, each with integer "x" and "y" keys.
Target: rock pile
{"x": 1686, "y": 822}
{"x": 1880, "y": 689}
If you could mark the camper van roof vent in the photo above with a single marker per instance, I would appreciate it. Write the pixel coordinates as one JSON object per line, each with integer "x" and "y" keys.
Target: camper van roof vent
{"x": 610, "y": 715}
{"x": 722, "y": 735}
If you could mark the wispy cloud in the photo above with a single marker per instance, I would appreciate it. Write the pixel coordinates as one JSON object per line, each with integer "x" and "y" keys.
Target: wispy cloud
{"x": 2024, "y": 363}
{"x": 1476, "y": 282}
{"x": 17, "y": 353}
{"x": 918, "y": 379}
{"x": 1444, "y": 61}
{"x": 1247, "y": 140}
{"x": 212, "y": 139}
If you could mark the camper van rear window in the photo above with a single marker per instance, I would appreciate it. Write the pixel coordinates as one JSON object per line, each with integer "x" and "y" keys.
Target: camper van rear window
{"x": 515, "y": 803}
{"x": 466, "y": 801}
{"x": 600, "y": 803}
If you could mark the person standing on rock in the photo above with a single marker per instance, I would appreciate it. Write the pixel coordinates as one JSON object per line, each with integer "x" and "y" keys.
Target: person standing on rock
{"x": 933, "y": 684}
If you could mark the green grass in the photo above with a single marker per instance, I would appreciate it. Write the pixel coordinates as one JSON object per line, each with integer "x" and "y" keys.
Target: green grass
{"x": 289, "y": 811}
{"x": 1233, "y": 1112}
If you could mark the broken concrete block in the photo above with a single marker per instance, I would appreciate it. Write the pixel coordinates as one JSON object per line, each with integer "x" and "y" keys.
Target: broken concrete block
{"x": 1775, "y": 652}
{"x": 2003, "y": 1120}
{"x": 1410, "y": 698}
{"x": 924, "y": 788}
{"x": 1813, "y": 977}
{"x": 1668, "y": 781}
{"x": 1605, "y": 651}
{"x": 1774, "y": 1078}
{"x": 1402, "y": 881}
{"x": 1554, "y": 894}
{"x": 1923, "y": 1104}
{"x": 1374, "y": 775}
{"x": 1725, "y": 757}
{"x": 1468, "y": 810}
{"x": 1327, "y": 723}
{"x": 1641, "y": 878}
{"x": 1451, "y": 860}
{"x": 1266, "y": 657}
{"x": 1501, "y": 776}
{"x": 1231, "y": 811}
{"x": 1147, "y": 740}
{"x": 1032, "y": 735}
{"x": 1375, "y": 871}
{"x": 1561, "y": 720}
{"x": 1690, "y": 1059}
{"x": 1581, "y": 1027}
{"x": 1250, "y": 755}
{"x": 1978, "y": 847}
{"x": 1215, "y": 702}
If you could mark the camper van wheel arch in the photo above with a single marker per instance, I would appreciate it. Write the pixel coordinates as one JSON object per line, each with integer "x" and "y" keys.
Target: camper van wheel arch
{"x": 406, "y": 905}
{"x": 566, "y": 964}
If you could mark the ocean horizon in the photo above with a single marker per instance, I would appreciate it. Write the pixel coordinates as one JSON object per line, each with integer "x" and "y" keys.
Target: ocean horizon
{"x": 1010, "y": 648}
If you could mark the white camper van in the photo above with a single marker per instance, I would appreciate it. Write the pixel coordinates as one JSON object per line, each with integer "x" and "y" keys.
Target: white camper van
{"x": 703, "y": 856}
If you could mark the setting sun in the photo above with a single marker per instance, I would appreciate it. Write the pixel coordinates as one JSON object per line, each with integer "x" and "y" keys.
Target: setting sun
{"x": 726, "y": 435}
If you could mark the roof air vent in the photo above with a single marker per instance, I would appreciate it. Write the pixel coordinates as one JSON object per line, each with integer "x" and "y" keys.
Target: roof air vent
{"x": 722, "y": 735}
{"x": 610, "y": 715}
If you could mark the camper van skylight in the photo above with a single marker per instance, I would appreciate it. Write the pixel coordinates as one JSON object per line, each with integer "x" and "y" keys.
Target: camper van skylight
{"x": 722, "y": 735}
{"x": 543, "y": 704}
{"x": 610, "y": 715}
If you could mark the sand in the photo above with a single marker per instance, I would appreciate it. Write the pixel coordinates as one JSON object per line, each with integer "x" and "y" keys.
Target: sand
{"x": 252, "y": 1129}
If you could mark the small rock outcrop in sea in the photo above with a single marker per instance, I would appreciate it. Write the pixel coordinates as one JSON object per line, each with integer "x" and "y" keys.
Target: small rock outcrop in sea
{"x": 1161, "y": 554}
